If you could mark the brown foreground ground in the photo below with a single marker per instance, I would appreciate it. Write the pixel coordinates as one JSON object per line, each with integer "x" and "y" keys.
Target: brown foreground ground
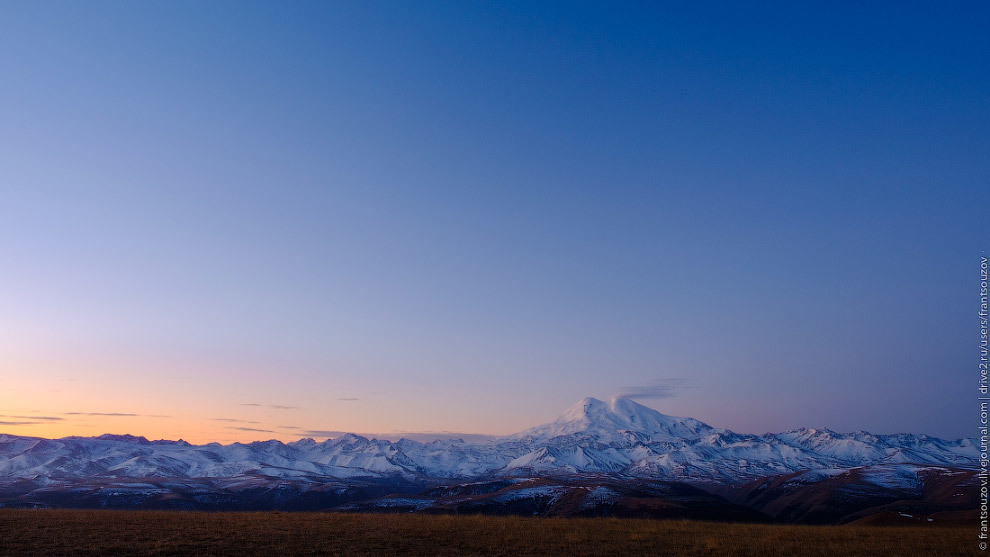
{"x": 77, "y": 532}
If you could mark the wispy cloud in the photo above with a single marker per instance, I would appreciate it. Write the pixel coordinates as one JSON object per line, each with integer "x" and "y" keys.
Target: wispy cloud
{"x": 275, "y": 406}
{"x": 42, "y": 418}
{"x": 116, "y": 414}
{"x": 234, "y": 420}
{"x": 112, "y": 414}
{"x": 289, "y": 427}
{"x": 323, "y": 433}
{"x": 669, "y": 387}
{"x": 251, "y": 429}
{"x": 21, "y": 423}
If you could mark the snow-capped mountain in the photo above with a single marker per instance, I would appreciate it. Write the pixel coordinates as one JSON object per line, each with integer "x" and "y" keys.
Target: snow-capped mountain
{"x": 619, "y": 437}
{"x": 616, "y": 421}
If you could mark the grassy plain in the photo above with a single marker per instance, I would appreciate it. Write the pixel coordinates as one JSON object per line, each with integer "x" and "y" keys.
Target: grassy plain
{"x": 104, "y": 532}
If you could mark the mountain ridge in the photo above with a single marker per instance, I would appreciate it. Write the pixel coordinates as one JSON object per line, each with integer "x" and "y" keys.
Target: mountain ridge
{"x": 618, "y": 436}
{"x": 597, "y": 458}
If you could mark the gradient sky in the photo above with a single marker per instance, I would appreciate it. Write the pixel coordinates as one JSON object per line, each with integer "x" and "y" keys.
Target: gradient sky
{"x": 237, "y": 221}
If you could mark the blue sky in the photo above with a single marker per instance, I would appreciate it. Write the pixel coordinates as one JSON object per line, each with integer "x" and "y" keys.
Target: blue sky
{"x": 469, "y": 216}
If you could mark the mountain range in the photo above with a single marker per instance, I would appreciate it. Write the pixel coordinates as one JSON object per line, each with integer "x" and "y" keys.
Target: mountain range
{"x": 622, "y": 449}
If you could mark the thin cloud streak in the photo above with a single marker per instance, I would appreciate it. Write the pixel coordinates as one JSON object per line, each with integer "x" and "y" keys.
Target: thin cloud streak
{"x": 234, "y": 420}
{"x": 117, "y": 414}
{"x": 45, "y": 418}
{"x": 661, "y": 388}
{"x": 110, "y": 414}
{"x": 323, "y": 433}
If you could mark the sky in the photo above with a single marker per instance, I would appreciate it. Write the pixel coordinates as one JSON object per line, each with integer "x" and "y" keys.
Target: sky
{"x": 232, "y": 221}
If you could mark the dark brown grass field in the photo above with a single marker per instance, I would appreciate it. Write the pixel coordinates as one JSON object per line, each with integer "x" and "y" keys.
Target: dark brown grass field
{"x": 61, "y": 532}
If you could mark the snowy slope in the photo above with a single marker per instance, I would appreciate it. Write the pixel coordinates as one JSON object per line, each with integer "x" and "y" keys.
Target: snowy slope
{"x": 618, "y": 437}
{"x": 616, "y": 421}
